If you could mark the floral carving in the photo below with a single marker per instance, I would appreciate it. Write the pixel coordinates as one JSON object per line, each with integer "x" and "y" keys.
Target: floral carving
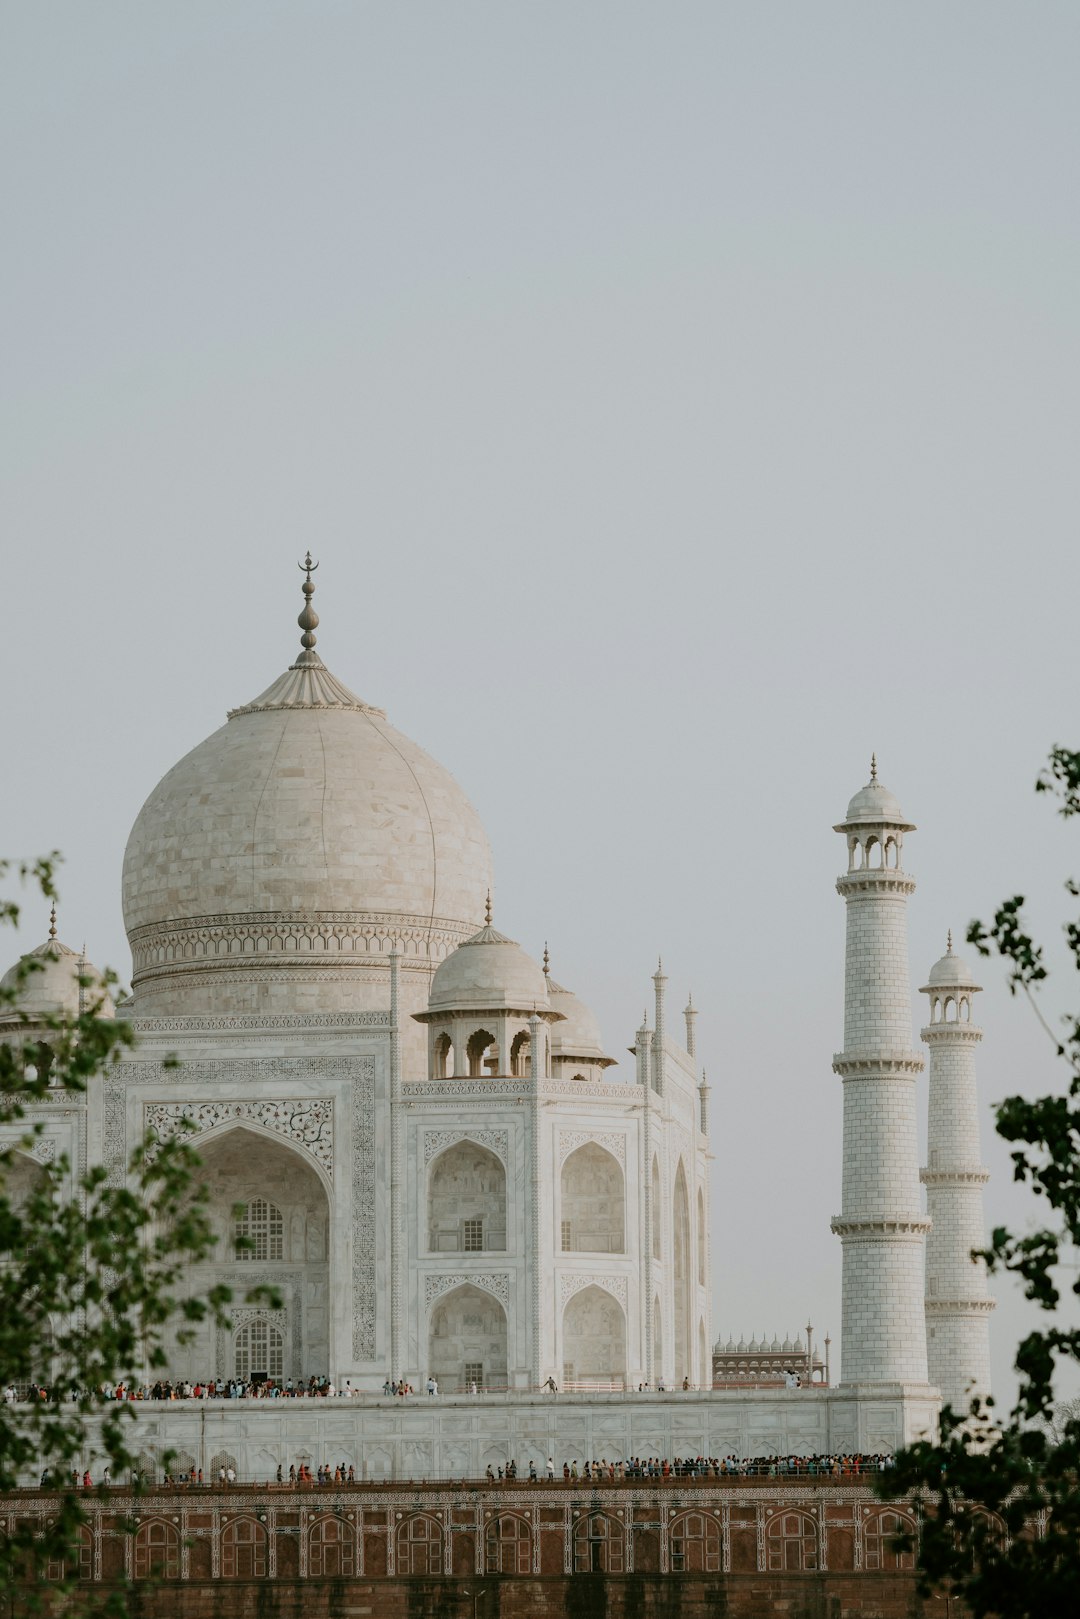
{"x": 612, "y": 1141}
{"x": 436, "y": 1140}
{"x": 497, "y": 1283}
{"x": 307, "y": 1123}
{"x": 569, "y": 1285}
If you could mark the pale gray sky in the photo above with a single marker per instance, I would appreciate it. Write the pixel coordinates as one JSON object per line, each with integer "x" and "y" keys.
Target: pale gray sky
{"x": 682, "y": 400}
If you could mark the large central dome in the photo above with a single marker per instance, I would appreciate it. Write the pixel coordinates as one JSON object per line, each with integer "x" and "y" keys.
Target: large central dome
{"x": 278, "y": 864}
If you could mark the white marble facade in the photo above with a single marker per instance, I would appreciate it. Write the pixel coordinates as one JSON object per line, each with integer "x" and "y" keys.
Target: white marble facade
{"x": 438, "y": 1164}
{"x": 305, "y": 895}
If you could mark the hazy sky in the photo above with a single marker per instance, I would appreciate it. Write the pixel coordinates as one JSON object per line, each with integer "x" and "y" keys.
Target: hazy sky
{"x": 682, "y": 401}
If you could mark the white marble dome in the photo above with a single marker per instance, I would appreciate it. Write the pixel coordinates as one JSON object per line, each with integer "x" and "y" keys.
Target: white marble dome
{"x": 305, "y": 833}
{"x": 578, "y": 1035}
{"x": 951, "y": 971}
{"x": 490, "y": 973}
{"x": 53, "y": 989}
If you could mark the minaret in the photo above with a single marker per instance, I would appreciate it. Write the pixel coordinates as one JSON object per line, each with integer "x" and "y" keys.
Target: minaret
{"x": 881, "y": 1226}
{"x": 958, "y": 1302}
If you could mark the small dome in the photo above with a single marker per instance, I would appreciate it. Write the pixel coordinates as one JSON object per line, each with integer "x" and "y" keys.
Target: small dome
{"x": 578, "y": 1035}
{"x": 787, "y": 1347}
{"x": 951, "y": 971}
{"x": 53, "y": 988}
{"x": 874, "y": 805}
{"x": 489, "y": 973}
{"x": 777, "y": 1347}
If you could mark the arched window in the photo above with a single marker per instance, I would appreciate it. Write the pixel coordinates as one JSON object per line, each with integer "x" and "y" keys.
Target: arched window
{"x": 594, "y": 1338}
{"x": 420, "y": 1546}
{"x": 331, "y": 1549}
{"x": 592, "y": 1202}
{"x": 467, "y": 1342}
{"x": 466, "y": 1201}
{"x": 790, "y": 1542}
{"x": 243, "y": 1550}
{"x": 259, "y": 1232}
{"x": 701, "y": 1237}
{"x": 520, "y": 1058}
{"x": 483, "y": 1054}
{"x": 84, "y": 1554}
{"x": 157, "y": 1551}
{"x": 508, "y": 1545}
{"x": 444, "y": 1057}
{"x": 657, "y": 1218}
{"x": 221, "y": 1459}
{"x": 258, "y": 1347}
{"x": 880, "y": 1545}
{"x": 695, "y": 1544}
{"x": 599, "y": 1544}
{"x": 681, "y": 1276}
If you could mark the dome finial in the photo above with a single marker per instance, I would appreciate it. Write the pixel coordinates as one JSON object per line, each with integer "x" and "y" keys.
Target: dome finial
{"x": 487, "y": 908}
{"x": 873, "y": 767}
{"x": 309, "y": 618}
{"x": 547, "y": 961}
{"x": 948, "y": 950}
{"x": 52, "y": 920}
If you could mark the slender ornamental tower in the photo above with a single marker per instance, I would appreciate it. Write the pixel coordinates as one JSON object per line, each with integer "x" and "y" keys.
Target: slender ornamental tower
{"x": 881, "y": 1226}
{"x": 958, "y": 1302}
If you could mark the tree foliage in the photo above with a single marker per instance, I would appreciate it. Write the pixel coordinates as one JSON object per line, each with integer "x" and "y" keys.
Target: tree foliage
{"x": 90, "y": 1275}
{"x": 1026, "y": 1470}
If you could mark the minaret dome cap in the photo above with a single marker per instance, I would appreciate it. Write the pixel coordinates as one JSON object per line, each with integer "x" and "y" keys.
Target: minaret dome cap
{"x": 951, "y": 972}
{"x": 875, "y": 805}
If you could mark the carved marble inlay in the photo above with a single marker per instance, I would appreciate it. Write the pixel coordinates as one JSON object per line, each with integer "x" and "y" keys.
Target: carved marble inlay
{"x": 497, "y": 1282}
{"x": 569, "y": 1285}
{"x": 436, "y": 1140}
{"x": 307, "y": 1123}
{"x": 612, "y": 1141}
{"x": 44, "y": 1150}
{"x": 228, "y": 1076}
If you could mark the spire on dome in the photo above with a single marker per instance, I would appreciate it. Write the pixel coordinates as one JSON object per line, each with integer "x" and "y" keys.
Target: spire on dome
{"x": 547, "y": 961}
{"x": 487, "y": 909}
{"x": 873, "y": 766}
{"x": 307, "y": 683}
{"x": 52, "y": 920}
{"x": 309, "y": 618}
{"x": 948, "y": 943}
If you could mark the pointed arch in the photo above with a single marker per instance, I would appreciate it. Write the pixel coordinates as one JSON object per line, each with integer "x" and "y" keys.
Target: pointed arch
{"x": 243, "y": 1550}
{"x": 594, "y": 1338}
{"x": 657, "y": 1216}
{"x": 156, "y": 1552}
{"x": 466, "y": 1200}
{"x": 420, "y": 1545}
{"x": 599, "y": 1544}
{"x": 681, "y": 1274}
{"x": 467, "y": 1339}
{"x": 592, "y": 1202}
{"x": 695, "y": 1544}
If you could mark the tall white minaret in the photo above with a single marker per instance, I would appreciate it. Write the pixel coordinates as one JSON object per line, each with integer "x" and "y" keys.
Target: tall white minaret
{"x": 958, "y": 1302}
{"x": 881, "y": 1226}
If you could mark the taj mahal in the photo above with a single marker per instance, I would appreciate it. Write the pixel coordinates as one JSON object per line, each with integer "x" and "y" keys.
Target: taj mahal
{"x": 428, "y": 1150}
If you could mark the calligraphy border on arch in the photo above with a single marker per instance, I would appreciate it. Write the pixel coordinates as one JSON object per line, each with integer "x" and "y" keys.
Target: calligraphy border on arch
{"x": 496, "y": 1283}
{"x": 575, "y": 1283}
{"x": 613, "y": 1141}
{"x": 305, "y": 1122}
{"x": 436, "y": 1140}
{"x": 221, "y": 1075}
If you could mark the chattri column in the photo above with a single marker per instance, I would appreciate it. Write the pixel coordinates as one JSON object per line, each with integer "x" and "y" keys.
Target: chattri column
{"x": 958, "y": 1302}
{"x": 881, "y": 1224}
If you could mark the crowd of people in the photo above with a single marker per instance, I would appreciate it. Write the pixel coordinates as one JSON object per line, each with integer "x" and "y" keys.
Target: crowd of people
{"x": 837, "y": 1466}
